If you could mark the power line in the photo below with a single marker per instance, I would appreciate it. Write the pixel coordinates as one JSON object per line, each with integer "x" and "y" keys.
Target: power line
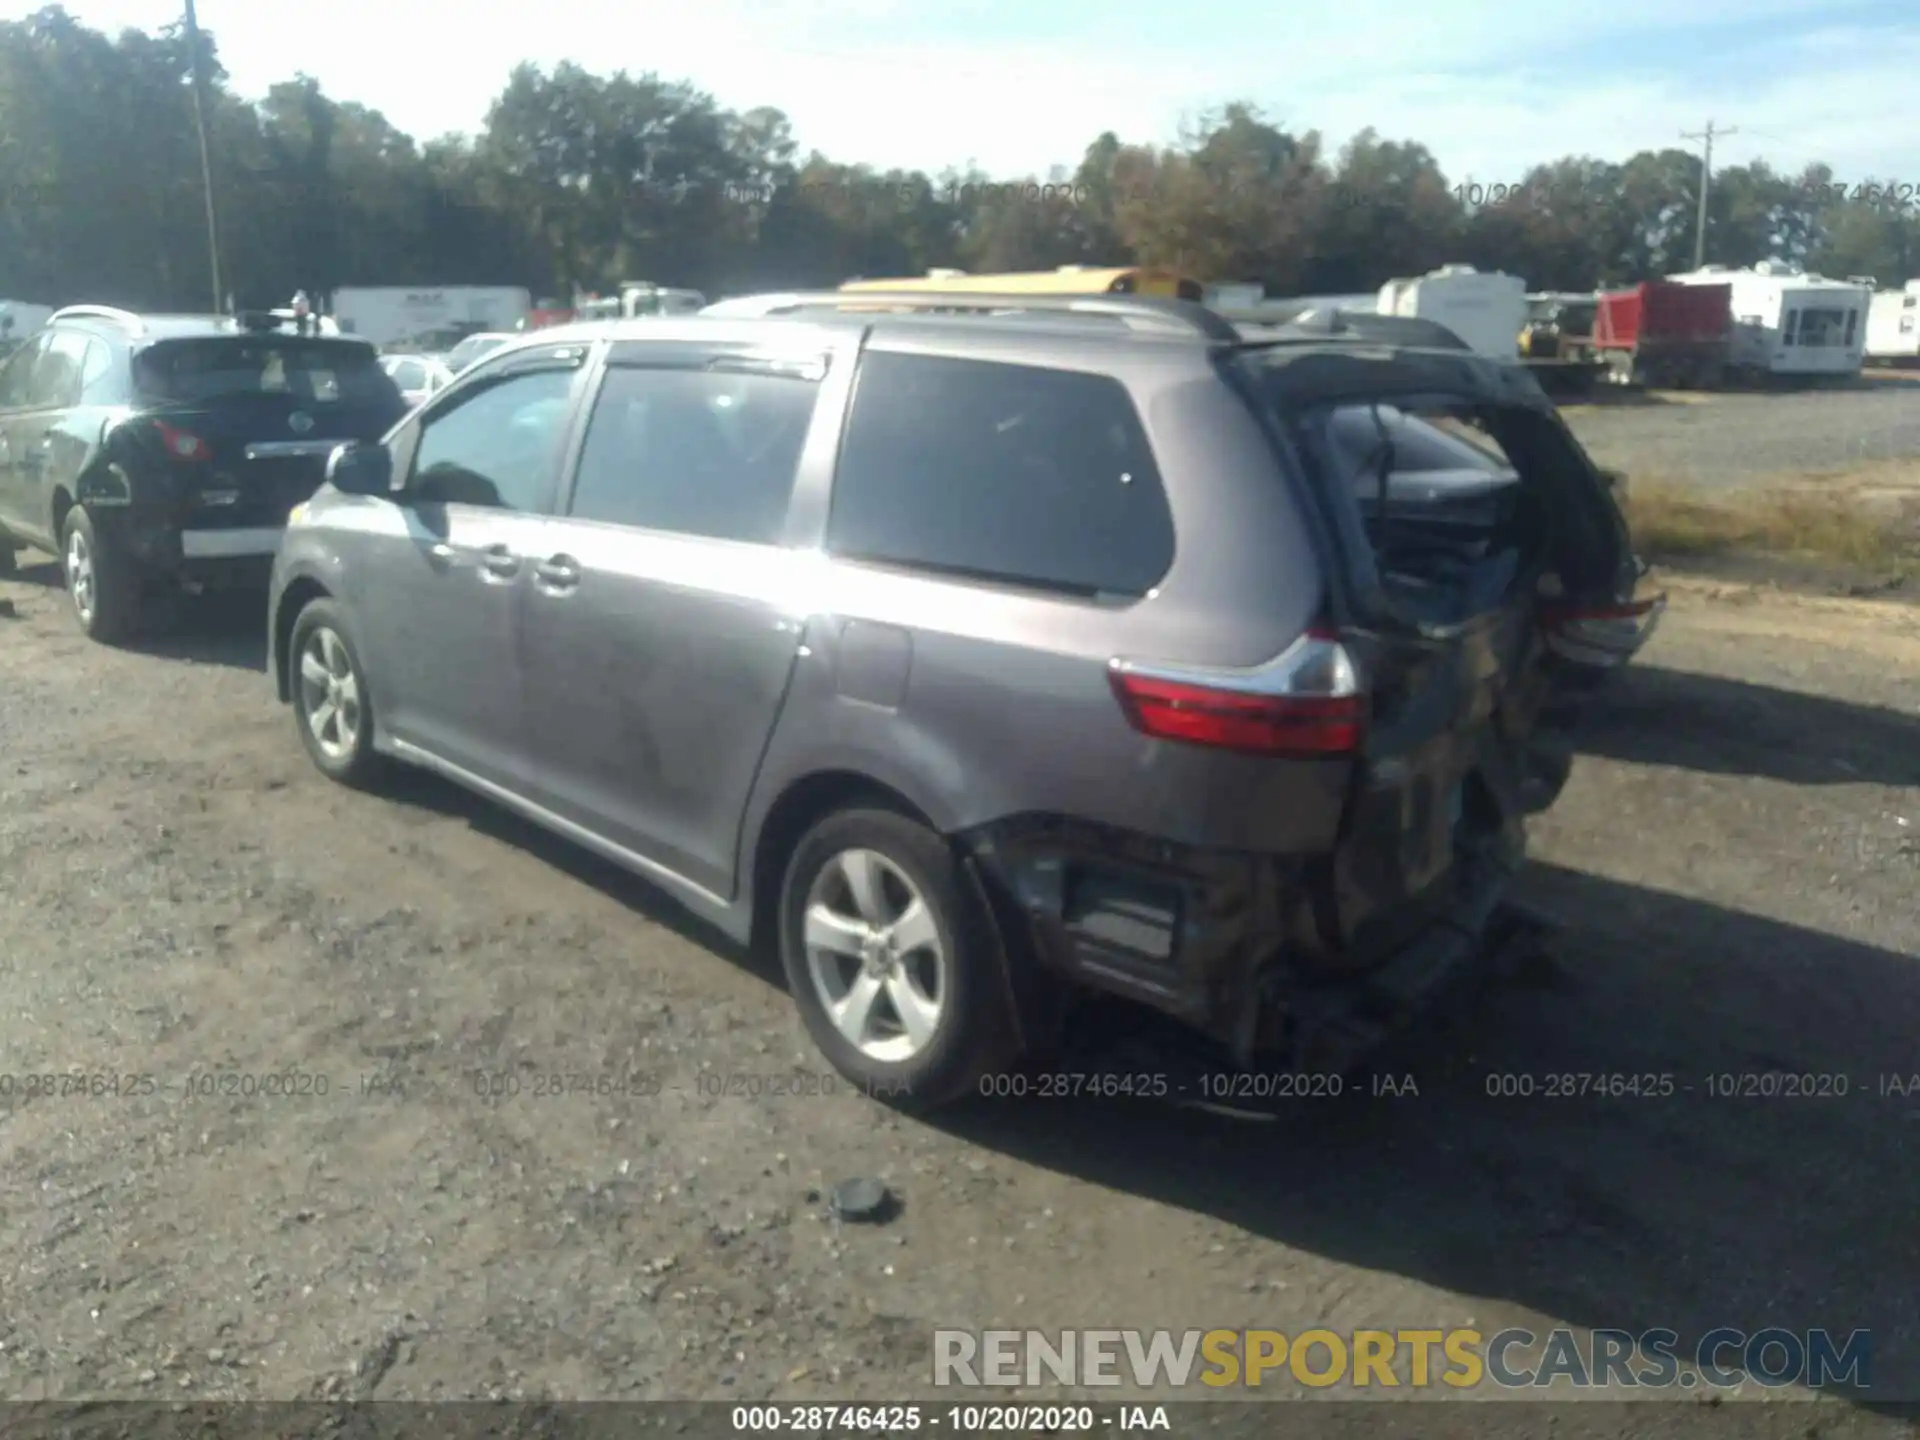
{"x": 1709, "y": 135}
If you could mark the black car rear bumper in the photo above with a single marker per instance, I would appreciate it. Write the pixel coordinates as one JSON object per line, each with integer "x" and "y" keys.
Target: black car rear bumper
{"x": 156, "y": 540}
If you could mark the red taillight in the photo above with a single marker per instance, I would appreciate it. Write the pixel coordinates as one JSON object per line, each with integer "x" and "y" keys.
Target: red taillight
{"x": 1306, "y": 704}
{"x": 1600, "y": 634}
{"x": 182, "y": 444}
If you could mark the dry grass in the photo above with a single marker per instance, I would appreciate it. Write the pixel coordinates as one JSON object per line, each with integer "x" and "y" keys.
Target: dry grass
{"x": 1835, "y": 520}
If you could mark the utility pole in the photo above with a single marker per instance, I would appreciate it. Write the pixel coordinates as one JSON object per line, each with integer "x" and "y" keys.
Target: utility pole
{"x": 1706, "y": 179}
{"x": 206, "y": 153}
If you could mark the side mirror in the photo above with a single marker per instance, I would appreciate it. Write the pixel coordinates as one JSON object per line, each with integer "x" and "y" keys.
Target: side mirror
{"x": 358, "y": 468}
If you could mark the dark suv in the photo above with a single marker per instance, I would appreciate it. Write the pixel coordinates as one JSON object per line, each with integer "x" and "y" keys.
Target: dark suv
{"x": 979, "y": 647}
{"x": 166, "y": 450}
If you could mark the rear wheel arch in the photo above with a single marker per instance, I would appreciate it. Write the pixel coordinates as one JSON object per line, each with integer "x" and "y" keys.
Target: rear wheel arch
{"x": 801, "y": 806}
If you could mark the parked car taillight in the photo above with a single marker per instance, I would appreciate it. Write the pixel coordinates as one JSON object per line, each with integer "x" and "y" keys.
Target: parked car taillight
{"x": 182, "y": 444}
{"x": 1307, "y": 703}
{"x": 1605, "y": 635}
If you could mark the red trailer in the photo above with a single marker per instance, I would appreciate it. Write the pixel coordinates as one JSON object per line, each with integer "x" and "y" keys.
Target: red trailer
{"x": 1665, "y": 334}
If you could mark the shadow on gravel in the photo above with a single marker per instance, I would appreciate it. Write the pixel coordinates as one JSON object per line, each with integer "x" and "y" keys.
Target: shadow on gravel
{"x": 227, "y": 628}
{"x": 428, "y": 791}
{"x": 1703, "y": 1202}
{"x": 1655, "y": 716}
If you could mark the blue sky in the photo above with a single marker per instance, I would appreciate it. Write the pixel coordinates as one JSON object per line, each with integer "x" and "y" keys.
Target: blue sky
{"x": 1015, "y": 87}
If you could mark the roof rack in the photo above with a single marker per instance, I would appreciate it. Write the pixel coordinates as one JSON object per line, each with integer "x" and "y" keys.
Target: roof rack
{"x": 1145, "y": 311}
{"x": 101, "y": 312}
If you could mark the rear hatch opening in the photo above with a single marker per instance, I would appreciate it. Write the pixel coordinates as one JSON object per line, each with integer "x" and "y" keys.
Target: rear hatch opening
{"x": 1465, "y": 531}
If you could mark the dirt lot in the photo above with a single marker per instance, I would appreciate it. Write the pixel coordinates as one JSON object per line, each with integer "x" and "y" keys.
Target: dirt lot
{"x": 1735, "y": 863}
{"x": 1734, "y": 439}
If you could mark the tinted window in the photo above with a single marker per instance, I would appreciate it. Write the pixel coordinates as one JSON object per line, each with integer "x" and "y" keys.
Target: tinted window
{"x": 696, "y": 452}
{"x": 496, "y": 446}
{"x": 310, "y": 372}
{"x": 1011, "y": 471}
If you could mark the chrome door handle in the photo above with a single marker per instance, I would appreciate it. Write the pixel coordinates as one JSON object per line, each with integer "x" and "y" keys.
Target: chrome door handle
{"x": 500, "y": 562}
{"x": 558, "y": 572}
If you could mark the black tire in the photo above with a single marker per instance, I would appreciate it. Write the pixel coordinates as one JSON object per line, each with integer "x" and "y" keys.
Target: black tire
{"x": 974, "y": 1033}
{"x": 9, "y": 564}
{"x": 104, "y": 583}
{"x": 350, "y": 759}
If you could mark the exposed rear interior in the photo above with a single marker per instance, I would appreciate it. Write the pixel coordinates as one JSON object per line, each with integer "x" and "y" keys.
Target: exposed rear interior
{"x": 1450, "y": 522}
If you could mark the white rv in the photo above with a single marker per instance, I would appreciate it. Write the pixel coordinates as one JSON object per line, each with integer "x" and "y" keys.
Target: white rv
{"x": 1893, "y": 326}
{"x": 1487, "y": 310}
{"x": 1788, "y": 322}
{"x": 393, "y": 314}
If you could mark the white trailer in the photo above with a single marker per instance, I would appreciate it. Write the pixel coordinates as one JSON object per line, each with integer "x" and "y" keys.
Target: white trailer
{"x": 1893, "y": 326}
{"x": 1788, "y": 322}
{"x": 411, "y": 314}
{"x": 1486, "y": 309}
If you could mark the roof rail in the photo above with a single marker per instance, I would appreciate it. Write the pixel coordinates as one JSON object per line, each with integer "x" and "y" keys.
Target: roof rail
{"x": 1146, "y": 311}
{"x": 100, "y": 312}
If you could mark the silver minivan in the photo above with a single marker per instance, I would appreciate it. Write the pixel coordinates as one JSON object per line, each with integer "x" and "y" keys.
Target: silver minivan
{"x": 976, "y": 650}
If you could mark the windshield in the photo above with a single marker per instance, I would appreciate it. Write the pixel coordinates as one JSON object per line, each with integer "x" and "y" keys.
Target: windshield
{"x": 471, "y": 349}
{"x": 310, "y": 372}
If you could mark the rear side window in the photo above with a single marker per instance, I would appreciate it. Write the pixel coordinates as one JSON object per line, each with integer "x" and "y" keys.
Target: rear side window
{"x": 694, "y": 452}
{"x": 1034, "y": 476}
{"x": 309, "y": 372}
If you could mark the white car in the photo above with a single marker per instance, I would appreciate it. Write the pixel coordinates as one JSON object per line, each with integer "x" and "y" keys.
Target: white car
{"x": 474, "y": 346}
{"x": 418, "y": 376}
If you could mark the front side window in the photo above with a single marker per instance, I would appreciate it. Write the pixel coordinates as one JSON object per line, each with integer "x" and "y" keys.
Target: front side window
{"x": 694, "y": 452}
{"x": 495, "y": 447}
{"x": 16, "y": 374}
{"x": 1030, "y": 475}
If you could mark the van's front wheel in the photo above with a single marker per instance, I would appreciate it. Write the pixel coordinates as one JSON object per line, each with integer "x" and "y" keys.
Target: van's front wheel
{"x": 896, "y": 971}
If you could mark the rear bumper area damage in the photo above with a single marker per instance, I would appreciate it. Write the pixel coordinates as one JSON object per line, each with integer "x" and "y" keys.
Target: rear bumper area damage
{"x": 1240, "y": 947}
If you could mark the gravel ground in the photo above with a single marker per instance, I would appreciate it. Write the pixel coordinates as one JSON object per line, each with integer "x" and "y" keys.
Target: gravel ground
{"x": 182, "y": 896}
{"x": 1733, "y": 439}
